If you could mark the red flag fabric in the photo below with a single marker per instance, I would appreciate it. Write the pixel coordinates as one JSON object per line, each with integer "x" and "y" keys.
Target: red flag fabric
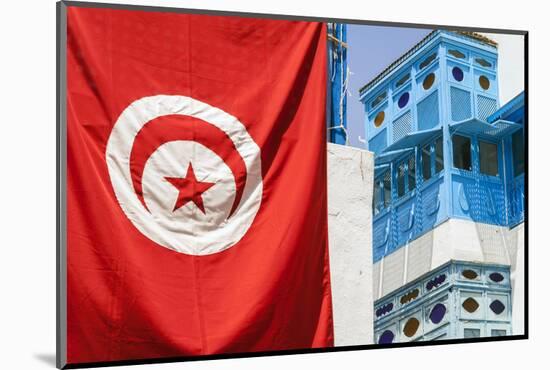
{"x": 196, "y": 177}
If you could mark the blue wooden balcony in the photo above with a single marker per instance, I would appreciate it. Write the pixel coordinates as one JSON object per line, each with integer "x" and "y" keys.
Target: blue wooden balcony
{"x": 441, "y": 147}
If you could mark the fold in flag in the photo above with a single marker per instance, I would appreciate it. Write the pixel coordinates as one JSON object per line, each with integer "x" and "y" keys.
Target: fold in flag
{"x": 196, "y": 185}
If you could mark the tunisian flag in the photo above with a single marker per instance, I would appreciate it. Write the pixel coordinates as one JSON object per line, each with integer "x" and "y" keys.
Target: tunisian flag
{"x": 197, "y": 211}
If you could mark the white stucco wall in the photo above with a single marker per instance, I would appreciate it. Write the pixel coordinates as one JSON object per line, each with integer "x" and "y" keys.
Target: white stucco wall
{"x": 461, "y": 240}
{"x": 350, "y": 176}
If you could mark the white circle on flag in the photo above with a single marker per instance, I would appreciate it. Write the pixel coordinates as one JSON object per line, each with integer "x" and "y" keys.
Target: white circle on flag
{"x": 186, "y": 229}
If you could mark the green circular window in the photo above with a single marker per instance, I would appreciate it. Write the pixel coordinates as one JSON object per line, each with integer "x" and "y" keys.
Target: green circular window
{"x": 484, "y": 82}
{"x": 428, "y": 81}
{"x": 379, "y": 119}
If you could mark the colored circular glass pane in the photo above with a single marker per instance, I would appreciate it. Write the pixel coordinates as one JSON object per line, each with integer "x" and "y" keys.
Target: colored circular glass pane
{"x": 413, "y": 294}
{"x": 496, "y": 277}
{"x": 386, "y": 337}
{"x": 469, "y": 274}
{"x": 437, "y": 313}
{"x": 403, "y": 100}
{"x": 470, "y": 305}
{"x": 379, "y": 119}
{"x": 411, "y": 327}
{"x": 458, "y": 74}
{"x": 484, "y": 82}
{"x": 497, "y": 306}
{"x": 428, "y": 81}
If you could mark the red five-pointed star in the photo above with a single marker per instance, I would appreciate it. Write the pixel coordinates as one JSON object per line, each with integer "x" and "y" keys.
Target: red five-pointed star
{"x": 189, "y": 189}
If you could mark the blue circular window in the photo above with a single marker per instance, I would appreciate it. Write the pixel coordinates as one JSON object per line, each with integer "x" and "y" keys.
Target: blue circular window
{"x": 386, "y": 337}
{"x": 437, "y": 313}
{"x": 403, "y": 100}
{"x": 458, "y": 74}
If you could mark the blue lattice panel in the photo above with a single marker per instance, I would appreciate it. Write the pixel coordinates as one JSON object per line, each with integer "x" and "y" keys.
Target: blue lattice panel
{"x": 492, "y": 203}
{"x": 516, "y": 200}
{"x": 382, "y": 235}
{"x": 402, "y": 126}
{"x": 378, "y": 143}
{"x": 461, "y": 104}
{"x": 428, "y": 112}
{"x": 406, "y": 220}
{"x": 432, "y": 203}
{"x": 465, "y": 196}
{"x": 485, "y": 107}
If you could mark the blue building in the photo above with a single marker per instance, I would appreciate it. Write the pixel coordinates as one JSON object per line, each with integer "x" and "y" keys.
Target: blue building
{"x": 338, "y": 83}
{"x": 448, "y": 191}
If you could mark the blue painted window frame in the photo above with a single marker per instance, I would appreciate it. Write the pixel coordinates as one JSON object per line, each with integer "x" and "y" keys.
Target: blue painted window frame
{"x": 475, "y": 157}
{"x": 432, "y": 149}
{"x": 515, "y": 159}
{"x": 470, "y": 139}
{"x": 381, "y": 203}
{"x": 405, "y": 162}
{"x": 490, "y": 142}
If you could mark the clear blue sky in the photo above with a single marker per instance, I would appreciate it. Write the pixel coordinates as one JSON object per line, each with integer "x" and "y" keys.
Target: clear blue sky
{"x": 371, "y": 49}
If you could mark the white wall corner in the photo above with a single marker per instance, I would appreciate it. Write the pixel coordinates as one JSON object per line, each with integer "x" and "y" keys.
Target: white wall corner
{"x": 350, "y": 176}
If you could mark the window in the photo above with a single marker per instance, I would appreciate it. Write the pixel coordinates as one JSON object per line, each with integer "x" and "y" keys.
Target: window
{"x": 488, "y": 158}
{"x": 439, "y": 155}
{"x": 406, "y": 176}
{"x": 401, "y": 179}
{"x": 457, "y": 54}
{"x": 458, "y": 74}
{"x": 402, "y": 80}
{"x": 484, "y": 63}
{"x": 387, "y": 188}
{"x": 469, "y": 274}
{"x": 426, "y": 162}
{"x": 484, "y": 82}
{"x": 435, "y": 147}
{"x": 497, "y": 307}
{"x": 378, "y": 99}
{"x": 411, "y": 170}
{"x": 386, "y": 337}
{"x": 411, "y": 327}
{"x": 471, "y": 333}
{"x": 378, "y": 196}
{"x": 382, "y": 192}
{"x": 437, "y": 313}
{"x": 518, "y": 152}
{"x": 470, "y": 305}
{"x": 428, "y": 81}
{"x": 496, "y": 277}
{"x": 498, "y": 332}
{"x": 427, "y": 61}
{"x": 379, "y": 119}
{"x": 403, "y": 100}
{"x": 462, "y": 156}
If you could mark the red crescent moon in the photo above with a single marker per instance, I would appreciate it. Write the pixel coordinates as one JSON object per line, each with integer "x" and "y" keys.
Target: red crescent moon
{"x": 177, "y": 127}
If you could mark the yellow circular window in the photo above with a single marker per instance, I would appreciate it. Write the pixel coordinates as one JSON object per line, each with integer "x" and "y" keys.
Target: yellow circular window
{"x": 428, "y": 81}
{"x": 379, "y": 119}
{"x": 484, "y": 82}
{"x": 411, "y": 327}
